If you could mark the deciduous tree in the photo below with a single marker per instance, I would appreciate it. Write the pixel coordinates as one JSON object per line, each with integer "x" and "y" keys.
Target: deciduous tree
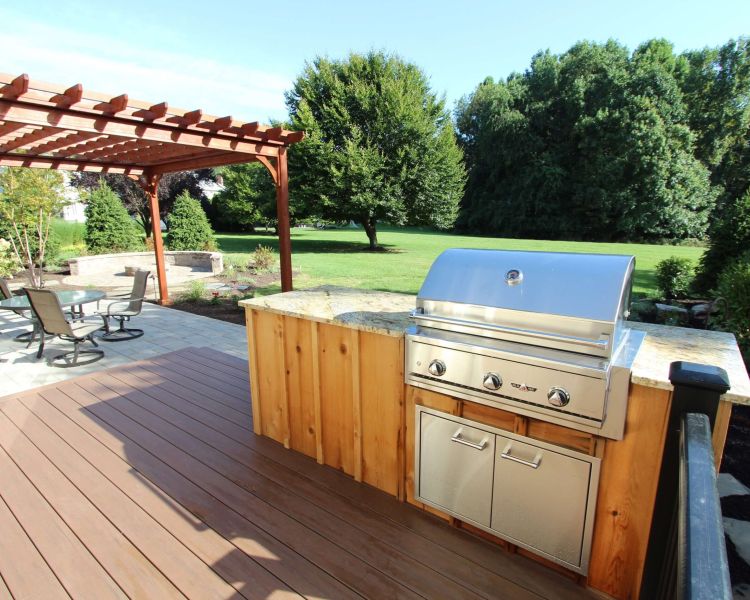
{"x": 379, "y": 144}
{"x": 29, "y": 199}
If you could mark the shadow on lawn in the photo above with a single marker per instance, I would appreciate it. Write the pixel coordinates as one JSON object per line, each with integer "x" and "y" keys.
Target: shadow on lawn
{"x": 300, "y": 245}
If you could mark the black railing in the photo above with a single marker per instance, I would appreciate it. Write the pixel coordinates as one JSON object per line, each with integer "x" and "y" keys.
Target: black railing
{"x": 702, "y": 567}
{"x": 686, "y": 558}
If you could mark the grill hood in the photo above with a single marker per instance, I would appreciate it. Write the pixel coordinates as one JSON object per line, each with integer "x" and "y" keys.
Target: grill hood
{"x": 573, "y": 302}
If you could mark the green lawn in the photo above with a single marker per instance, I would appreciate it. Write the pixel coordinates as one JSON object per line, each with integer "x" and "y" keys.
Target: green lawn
{"x": 339, "y": 256}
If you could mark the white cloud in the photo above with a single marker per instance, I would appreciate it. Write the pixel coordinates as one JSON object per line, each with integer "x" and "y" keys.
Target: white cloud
{"x": 104, "y": 65}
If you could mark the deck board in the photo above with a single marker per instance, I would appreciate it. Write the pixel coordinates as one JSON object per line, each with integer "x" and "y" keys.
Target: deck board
{"x": 159, "y": 457}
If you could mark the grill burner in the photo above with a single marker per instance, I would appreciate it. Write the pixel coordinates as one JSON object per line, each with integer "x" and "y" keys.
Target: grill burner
{"x": 536, "y": 333}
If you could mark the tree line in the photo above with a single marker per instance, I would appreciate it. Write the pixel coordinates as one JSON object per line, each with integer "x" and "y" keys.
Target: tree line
{"x": 605, "y": 145}
{"x": 597, "y": 143}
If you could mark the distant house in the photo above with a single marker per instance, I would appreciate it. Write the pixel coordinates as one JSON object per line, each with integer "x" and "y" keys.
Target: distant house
{"x": 74, "y": 209}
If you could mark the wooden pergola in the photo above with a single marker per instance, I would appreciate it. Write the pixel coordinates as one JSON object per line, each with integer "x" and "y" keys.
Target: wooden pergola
{"x": 48, "y": 126}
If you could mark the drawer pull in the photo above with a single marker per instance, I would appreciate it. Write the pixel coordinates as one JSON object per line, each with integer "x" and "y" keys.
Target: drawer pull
{"x": 459, "y": 440}
{"x": 534, "y": 464}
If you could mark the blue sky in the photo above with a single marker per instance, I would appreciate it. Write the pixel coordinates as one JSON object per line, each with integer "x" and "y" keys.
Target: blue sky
{"x": 238, "y": 57}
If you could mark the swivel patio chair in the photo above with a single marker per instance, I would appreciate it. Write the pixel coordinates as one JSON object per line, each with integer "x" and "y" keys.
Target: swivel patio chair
{"x": 26, "y": 336}
{"x": 49, "y": 312}
{"x": 123, "y": 310}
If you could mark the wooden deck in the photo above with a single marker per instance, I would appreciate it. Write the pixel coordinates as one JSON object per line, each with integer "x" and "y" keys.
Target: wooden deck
{"x": 146, "y": 481}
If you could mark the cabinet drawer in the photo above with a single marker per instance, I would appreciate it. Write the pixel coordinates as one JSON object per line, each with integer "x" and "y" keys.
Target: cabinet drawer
{"x": 454, "y": 467}
{"x": 544, "y": 499}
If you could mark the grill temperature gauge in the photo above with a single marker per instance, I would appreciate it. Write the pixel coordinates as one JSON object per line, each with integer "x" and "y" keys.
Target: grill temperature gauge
{"x": 558, "y": 396}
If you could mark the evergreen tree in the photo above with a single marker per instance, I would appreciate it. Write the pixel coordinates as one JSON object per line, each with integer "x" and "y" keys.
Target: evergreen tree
{"x": 188, "y": 227}
{"x": 109, "y": 227}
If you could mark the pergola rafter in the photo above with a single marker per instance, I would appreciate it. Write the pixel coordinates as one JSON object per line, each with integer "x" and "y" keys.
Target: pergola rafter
{"x": 49, "y": 126}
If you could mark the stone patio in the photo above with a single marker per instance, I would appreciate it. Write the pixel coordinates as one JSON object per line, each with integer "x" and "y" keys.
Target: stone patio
{"x": 165, "y": 329}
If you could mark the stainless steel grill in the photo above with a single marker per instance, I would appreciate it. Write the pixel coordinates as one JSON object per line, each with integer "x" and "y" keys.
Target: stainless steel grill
{"x": 536, "y": 333}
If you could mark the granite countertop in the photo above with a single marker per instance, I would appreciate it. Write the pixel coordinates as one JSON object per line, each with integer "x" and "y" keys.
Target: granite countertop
{"x": 388, "y": 313}
{"x": 664, "y": 345}
{"x": 367, "y": 310}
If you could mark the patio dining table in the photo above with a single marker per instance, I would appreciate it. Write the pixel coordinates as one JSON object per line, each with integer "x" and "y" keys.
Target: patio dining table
{"x": 75, "y": 299}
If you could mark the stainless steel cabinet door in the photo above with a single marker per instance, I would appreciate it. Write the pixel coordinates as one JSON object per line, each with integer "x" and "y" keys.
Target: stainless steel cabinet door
{"x": 541, "y": 500}
{"x": 454, "y": 467}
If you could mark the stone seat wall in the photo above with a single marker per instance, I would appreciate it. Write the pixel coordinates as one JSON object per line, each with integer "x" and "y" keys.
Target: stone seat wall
{"x": 115, "y": 263}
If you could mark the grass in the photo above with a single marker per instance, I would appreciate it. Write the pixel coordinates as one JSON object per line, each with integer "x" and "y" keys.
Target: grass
{"x": 340, "y": 256}
{"x": 70, "y": 236}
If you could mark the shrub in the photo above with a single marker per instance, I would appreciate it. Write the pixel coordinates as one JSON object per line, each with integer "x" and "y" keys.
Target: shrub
{"x": 188, "y": 226}
{"x": 674, "y": 276}
{"x": 734, "y": 287}
{"x": 109, "y": 227}
{"x": 263, "y": 258}
{"x": 730, "y": 237}
{"x": 8, "y": 261}
{"x": 195, "y": 291}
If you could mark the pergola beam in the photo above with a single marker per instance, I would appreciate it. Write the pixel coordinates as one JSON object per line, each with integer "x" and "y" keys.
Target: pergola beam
{"x": 153, "y": 132}
{"x": 190, "y": 164}
{"x": 66, "y": 164}
{"x": 16, "y": 88}
{"x": 82, "y": 148}
{"x": 73, "y": 95}
{"x": 72, "y": 139}
{"x": 29, "y": 138}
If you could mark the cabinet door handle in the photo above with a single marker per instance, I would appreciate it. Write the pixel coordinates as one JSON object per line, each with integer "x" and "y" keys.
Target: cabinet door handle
{"x": 534, "y": 464}
{"x": 459, "y": 440}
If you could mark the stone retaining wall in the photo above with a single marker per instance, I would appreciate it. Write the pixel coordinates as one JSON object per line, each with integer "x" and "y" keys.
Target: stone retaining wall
{"x": 116, "y": 263}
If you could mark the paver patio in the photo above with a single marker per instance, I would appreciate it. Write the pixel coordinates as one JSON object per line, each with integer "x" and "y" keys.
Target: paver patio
{"x": 165, "y": 329}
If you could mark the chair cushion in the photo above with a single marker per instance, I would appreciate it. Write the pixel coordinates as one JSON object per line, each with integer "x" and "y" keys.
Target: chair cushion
{"x": 82, "y": 329}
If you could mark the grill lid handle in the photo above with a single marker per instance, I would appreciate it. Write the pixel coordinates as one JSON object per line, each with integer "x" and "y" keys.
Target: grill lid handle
{"x": 418, "y": 315}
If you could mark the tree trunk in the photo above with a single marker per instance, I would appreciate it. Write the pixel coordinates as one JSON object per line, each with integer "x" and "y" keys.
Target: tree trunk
{"x": 370, "y": 224}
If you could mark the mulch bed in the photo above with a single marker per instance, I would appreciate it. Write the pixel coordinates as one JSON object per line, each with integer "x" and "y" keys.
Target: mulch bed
{"x": 224, "y": 309}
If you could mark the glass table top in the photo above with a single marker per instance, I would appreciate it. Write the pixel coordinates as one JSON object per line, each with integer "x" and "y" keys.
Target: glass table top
{"x": 66, "y": 297}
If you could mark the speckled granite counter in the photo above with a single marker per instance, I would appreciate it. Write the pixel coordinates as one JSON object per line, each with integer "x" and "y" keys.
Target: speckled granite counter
{"x": 388, "y": 313}
{"x": 367, "y": 310}
{"x": 664, "y": 345}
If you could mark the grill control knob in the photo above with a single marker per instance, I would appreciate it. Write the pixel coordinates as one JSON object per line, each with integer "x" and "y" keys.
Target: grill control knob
{"x": 492, "y": 381}
{"x": 558, "y": 396}
{"x": 437, "y": 368}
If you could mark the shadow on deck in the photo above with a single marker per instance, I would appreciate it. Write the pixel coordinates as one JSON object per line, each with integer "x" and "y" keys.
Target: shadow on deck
{"x": 146, "y": 481}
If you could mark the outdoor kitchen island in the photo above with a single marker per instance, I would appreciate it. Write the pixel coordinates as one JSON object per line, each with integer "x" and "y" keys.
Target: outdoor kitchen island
{"x": 327, "y": 379}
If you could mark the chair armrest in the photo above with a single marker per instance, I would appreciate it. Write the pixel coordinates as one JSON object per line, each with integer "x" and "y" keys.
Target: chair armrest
{"x": 120, "y": 304}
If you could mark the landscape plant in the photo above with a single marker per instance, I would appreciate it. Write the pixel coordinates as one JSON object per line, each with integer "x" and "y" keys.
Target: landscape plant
{"x": 379, "y": 145}
{"x": 734, "y": 288}
{"x": 188, "y": 227}
{"x": 248, "y": 198}
{"x": 29, "y": 199}
{"x": 195, "y": 292}
{"x": 263, "y": 259}
{"x": 675, "y": 276}
{"x": 729, "y": 239}
{"x": 171, "y": 185}
{"x": 109, "y": 227}
{"x": 8, "y": 261}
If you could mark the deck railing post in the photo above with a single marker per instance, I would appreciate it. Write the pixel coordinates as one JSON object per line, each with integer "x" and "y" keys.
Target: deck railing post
{"x": 697, "y": 389}
{"x": 702, "y": 565}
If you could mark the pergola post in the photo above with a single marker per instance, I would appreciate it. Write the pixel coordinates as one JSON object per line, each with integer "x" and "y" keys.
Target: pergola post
{"x": 151, "y": 186}
{"x": 282, "y": 213}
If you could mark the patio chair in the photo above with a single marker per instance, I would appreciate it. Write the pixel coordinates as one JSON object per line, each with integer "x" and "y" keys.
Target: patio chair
{"x": 26, "y": 336}
{"x": 123, "y": 310}
{"x": 46, "y": 306}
